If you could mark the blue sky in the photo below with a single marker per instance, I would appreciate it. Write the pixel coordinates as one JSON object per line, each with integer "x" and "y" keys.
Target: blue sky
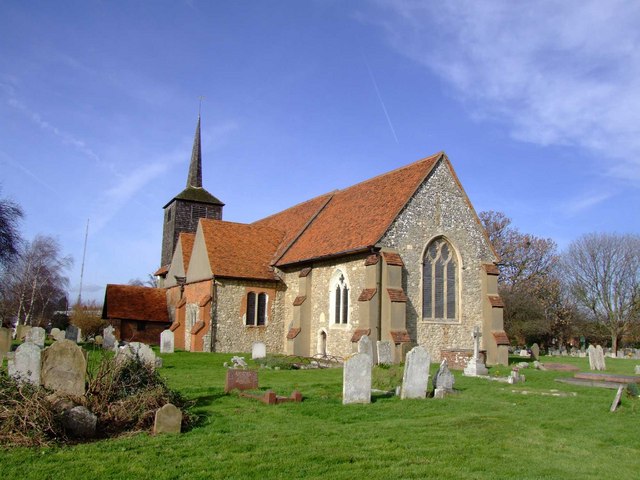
{"x": 537, "y": 104}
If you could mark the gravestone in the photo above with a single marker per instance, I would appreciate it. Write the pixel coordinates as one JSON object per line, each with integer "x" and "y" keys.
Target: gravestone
{"x": 36, "y": 335}
{"x": 356, "y": 380}
{"x": 535, "y": 351}
{"x": 637, "y": 370}
{"x": 365, "y": 346}
{"x": 5, "y": 342}
{"x": 241, "y": 380}
{"x": 98, "y": 339}
{"x": 591, "y": 352}
{"x": 71, "y": 333}
{"x": 25, "y": 366}
{"x": 258, "y": 350}
{"x": 415, "y": 378}
{"x": 108, "y": 338}
{"x": 167, "y": 341}
{"x": 476, "y": 366}
{"x": 61, "y": 335}
{"x": 54, "y": 331}
{"x": 64, "y": 367}
{"x": 385, "y": 354}
{"x": 168, "y": 419}
{"x": 22, "y": 331}
{"x": 138, "y": 350}
{"x": 620, "y": 354}
{"x": 444, "y": 379}
{"x": 600, "y": 364}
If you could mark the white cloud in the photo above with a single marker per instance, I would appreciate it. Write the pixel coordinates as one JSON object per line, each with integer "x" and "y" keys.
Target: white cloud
{"x": 585, "y": 202}
{"x": 556, "y": 73}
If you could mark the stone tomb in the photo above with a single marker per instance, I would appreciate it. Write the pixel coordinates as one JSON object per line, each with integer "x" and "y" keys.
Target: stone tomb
{"x": 415, "y": 378}
{"x": 64, "y": 367}
{"x": 258, "y": 350}
{"x": 168, "y": 419}
{"x": 356, "y": 382}
{"x": 385, "y": 353}
{"x": 25, "y": 366}
{"x": 240, "y": 380}
{"x": 167, "y": 341}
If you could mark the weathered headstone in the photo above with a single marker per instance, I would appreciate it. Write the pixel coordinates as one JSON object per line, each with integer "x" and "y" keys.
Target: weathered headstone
{"x": 241, "y": 380}
{"x": 476, "y": 366}
{"x": 600, "y": 364}
{"x": 80, "y": 422}
{"x": 444, "y": 379}
{"x": 168, "y": 419}
{"x": 637, "y": 370}
{"x": 138, "y": 350}
{"x": 535, "y": 351}
{"x": 591, "y": 352}
{"x": 5, "y": 342}
{"x": 616, "y": 399}
{"x": 36, "y": 335}
{"x": 167, "y": 341}
{"x": 22, "y": 331}
{"x": 61, "y": 335}
{"x": 356, "y": 382}
{"x": 365, "y": 346}
{"x": 64, "y": 367}
{"x": 71, "y": 333}
{"x": 258, "y": 350}
{"x": 415, "y": 378}
{"x": 54, "y": 331}
{"x": 98, "y": 339}
{"x": 25, "y": 366}
{"x": 385, "y": 353}
{"x": 109, "y": 339}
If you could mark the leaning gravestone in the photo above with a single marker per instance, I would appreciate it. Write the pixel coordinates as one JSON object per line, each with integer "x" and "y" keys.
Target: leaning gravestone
{"x": 365, "y": 346}
{"x": 416, "y": 373}
{"x": 591, "y": 352}
{"x": 444, "y": 379}
{"x": 600, "y": 365}
{"x": 5, "y": 342}
{"x": 535, "y": 351}
{"x": 36, "y": 335}
{"x": 168, "y": 419}
{"x": 356, "y": 383}
{"x": 22, "y": 331}
{"x": 64, "y": 367}
{"x": 385, "y": 355}
{"x": 71, "y": 333}
{"x": 138, "y": 350}
{"x": 258, "y": 350}
{"x": 25, "y": 366}
{"x": 167, "y": 341}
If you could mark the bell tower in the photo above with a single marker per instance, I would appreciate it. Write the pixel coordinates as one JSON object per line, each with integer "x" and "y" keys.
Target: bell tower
{"x": 184, "y": 210}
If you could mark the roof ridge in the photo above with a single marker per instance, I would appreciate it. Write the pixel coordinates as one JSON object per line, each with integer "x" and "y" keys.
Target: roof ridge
{"x": 295, "y": 206}
{"x": 251, "y": 225}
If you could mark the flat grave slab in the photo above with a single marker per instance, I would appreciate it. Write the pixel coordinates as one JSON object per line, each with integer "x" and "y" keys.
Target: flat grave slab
{"x": 560, "y": 367}
{"x": 588, "y": 383}
{"x": 607, "y": 377}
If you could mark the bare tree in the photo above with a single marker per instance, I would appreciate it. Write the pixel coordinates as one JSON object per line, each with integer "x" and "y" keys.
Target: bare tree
{"x": 36, "y": 280}
{"x": 603, "y": 271}
{"x": 149, "y": 282}
{"x": 10, "y": 239}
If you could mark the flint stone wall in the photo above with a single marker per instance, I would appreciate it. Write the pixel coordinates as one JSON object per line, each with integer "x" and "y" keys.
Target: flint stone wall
{"x": 439, "y": 208}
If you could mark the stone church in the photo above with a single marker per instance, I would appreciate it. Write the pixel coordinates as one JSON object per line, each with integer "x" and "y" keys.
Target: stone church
{"x": 401, "y": 257}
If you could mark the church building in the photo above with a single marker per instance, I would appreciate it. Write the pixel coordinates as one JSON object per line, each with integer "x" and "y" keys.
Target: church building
{"x": 401, "y": 257}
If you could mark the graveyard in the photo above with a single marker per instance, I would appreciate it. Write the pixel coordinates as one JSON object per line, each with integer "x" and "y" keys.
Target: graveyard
{"x": 539, "y": 428}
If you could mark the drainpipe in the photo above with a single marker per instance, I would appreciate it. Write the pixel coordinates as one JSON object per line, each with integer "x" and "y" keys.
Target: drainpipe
{"x": 376, "y": 251}
{"x": 214, "y": 304}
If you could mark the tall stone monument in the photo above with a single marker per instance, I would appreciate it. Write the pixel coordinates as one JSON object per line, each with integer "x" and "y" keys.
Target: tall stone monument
{"x": 475, "y": 366}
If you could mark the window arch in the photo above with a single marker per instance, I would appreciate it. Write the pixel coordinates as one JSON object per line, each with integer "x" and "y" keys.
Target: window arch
{"x": 339, "y": 299}
{"x": 256, "y": 309}
{"x": 439, "y": 281}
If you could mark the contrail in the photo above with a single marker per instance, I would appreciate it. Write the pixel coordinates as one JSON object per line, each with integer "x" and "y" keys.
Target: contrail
{"x": 384, "y": 108}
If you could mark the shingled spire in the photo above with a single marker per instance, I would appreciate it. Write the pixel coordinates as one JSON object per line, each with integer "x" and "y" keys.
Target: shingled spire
{"x": 184, "y": 210}
{"x": 195, "y": 168}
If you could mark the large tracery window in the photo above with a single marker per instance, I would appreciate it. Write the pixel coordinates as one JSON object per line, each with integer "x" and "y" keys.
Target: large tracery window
{"x": 439, "y": 282}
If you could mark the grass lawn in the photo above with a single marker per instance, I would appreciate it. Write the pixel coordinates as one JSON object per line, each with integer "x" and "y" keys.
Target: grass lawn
{"x": 489, "y": 430}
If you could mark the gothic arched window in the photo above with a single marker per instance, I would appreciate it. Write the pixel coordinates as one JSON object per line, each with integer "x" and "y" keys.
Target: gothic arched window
{"x": 339, "y": 300}
{"x": 256, "y": 309}
{"x": 439, "y": 282}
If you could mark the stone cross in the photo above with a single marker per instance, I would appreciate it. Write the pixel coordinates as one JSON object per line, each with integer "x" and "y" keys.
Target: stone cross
{"x": 476, "y": 342}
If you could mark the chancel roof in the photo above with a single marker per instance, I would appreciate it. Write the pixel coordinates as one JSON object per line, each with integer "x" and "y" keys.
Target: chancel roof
{"x": 129, "y": 302}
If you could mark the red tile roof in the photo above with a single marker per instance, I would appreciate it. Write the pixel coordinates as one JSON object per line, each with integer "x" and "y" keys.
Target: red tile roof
{"x": 293, "y": 333}
{"x": 237, "y": 250}
{"x": 400, "y": 336}
{"x": 393, "y": 259}
{"x": 348, "y": 220}
{"x": 396, "y": 295}
{"x": 128, "y": 302}
{"x": 501, "y": 337}
{"x": 299, "y": 300}
{"x": 367, "y": 294}
{"x": 496, "y": 301}
{"x": 162, "y": 271}
{"x": 186, "y": 239}
{"x": 491, "y": 269}
{"x": 358, "y": 334}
